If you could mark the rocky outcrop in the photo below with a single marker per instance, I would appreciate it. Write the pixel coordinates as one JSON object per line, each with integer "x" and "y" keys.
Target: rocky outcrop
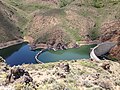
{"x": 17, "y": 74}
{"x": 115, "y": 53}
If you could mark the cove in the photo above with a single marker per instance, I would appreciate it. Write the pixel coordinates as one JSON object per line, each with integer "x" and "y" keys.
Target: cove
{"x": 19, "y": 54}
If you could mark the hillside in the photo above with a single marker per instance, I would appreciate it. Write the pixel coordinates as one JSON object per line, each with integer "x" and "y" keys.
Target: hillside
{"x": 64, "y": 75}
{"x": 61, "y": 24}
{"x": 79, "y": 20}
{"x": 46, "y": 20}
{"x": 10, "y": 23}
{"x": 111, "y": 32}
{"x": 8, "y": 31}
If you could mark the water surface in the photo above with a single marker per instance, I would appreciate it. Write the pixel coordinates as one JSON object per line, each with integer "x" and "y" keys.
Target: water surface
{"x": 69, "y": 54}
{"x": 19, "y": 54}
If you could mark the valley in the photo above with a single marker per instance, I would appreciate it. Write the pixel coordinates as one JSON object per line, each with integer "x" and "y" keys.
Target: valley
{"x": 71, "y": 28}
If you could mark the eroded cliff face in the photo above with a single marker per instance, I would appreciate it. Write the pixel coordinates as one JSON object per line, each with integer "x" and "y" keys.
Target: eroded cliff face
{"x": 111, "y": 32}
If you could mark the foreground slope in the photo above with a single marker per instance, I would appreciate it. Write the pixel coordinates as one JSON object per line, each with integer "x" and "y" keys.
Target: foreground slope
{"x": 70, "y": 75}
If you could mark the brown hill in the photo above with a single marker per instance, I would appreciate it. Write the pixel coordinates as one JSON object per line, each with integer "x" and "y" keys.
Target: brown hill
{"x": 59, "y": 26}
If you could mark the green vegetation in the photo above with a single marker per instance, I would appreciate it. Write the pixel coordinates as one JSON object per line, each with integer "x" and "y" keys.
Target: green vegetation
{"x": 64, "y": 3}
{"x": 31, "y": 7}
{"x": 28, "y": 7}
{"x": 98, "y": 3}
{"x": 113, "y": 59}
{"x": 73, "y": 32}
{"x": 102, "y": 3}
{"x": 88, "y": 64}
{"x": 94, "y": 33}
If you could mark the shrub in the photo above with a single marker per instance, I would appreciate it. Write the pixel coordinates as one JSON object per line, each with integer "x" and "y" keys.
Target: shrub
{"x": 63, "y": 3}
{"x": 94, "y": 34}
{"x": 98, "y": 3}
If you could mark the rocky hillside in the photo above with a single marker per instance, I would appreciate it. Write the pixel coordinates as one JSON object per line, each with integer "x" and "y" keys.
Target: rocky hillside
{"x": 8, "y": 30}
{"x": 44, "y": 21}
{"x": 78, "y": 20}
{"x": 65, "y": 75}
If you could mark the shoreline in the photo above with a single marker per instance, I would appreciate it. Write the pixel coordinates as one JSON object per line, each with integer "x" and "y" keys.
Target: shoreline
{"x": 19, "y": 41}
{"x": 81, "y": 43}
{"x": 44, "y": 49}
{"x": 89, "y": 42}
{"x": 11, "y": 43}
{"x": 44, "y": 46}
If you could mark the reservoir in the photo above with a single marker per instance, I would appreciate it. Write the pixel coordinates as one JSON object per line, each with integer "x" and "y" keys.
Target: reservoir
{"x": 21, "y": 54}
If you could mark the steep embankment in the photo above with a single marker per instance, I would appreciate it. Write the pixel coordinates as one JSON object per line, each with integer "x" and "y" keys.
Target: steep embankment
{"x": 59, "y": 26}
{"x": 12, "y": 21}
{"x": 8, "y": 31}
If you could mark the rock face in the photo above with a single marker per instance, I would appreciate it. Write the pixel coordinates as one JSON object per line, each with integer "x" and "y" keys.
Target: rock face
{"x": 115, "y": 52}
{"x": 17, "y": 74}
{"x": 111, "y": 32}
